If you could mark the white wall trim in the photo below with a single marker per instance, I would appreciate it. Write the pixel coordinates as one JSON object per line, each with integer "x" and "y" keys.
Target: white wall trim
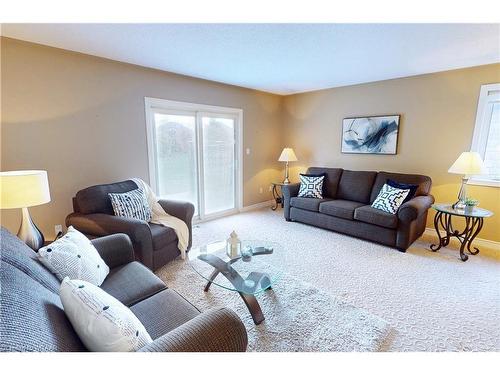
{"x": 257, "y": 206}
{"x": 486, "y": 247}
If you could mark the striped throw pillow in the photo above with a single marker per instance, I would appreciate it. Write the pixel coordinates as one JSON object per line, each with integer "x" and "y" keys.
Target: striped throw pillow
{"x": 133, "y": 204}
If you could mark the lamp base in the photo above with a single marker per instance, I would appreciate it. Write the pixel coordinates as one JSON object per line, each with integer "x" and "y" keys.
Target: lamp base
{"x": 462, "y": 195}
{"x": 29, "y": 233}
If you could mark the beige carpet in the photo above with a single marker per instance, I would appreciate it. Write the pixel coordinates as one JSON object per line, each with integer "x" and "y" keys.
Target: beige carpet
{"x": 298, "y": 316}
{"x": 433, "y": 301}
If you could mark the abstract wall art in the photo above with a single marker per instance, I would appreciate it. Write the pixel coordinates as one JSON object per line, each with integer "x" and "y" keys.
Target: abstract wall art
{"x": 370, "y": 135}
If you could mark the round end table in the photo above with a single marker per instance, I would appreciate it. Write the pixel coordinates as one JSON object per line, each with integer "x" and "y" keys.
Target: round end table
{"x": 473, "y": 224}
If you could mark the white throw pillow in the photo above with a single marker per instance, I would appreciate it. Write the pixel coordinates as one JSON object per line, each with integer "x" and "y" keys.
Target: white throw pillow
{"x": 390, "y": 198}
{"x": 73, "y": 255}
{"x": 103, "y": 323}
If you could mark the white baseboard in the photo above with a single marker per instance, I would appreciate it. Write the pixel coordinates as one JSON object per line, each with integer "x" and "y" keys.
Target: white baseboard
{"x": 486, "y": 247}
{"x": 257, "y": 206}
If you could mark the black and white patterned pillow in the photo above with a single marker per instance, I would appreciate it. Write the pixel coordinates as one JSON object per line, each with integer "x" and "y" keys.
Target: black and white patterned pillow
{"x": 311, "y": 186}
{"x": 133, "y": 204}
{"x": 390, "y": 198}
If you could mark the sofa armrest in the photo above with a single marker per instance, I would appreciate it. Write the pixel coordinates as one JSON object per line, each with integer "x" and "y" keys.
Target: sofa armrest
{"x": 116, "y": 249}
{"x": 216, "y": 330}
{"x": 289, "y": 191}
{"x": 181, "y": 210}
{"x": 415, "y": 207}
{"x": 103, "y": 225}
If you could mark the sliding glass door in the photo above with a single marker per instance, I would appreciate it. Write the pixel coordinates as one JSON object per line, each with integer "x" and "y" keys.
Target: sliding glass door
{"x": 219, "y": 156}
{"x": 194, "y": 155}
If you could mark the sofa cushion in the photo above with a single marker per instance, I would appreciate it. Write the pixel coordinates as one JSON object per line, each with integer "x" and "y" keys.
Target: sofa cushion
{"x": 370, "y": 215}
{"x": 95, "y": 199}
{"x": 340, "y": 208}
{"x": 132, "y": 283}
{"x": 164, "y": 312}
{"x": 331, "y": 182}
{"x": 310, "y": 204}
{"x": 356, "y": 186}
{"x": 162, "y": 236}
{"x": 424, "y": 182}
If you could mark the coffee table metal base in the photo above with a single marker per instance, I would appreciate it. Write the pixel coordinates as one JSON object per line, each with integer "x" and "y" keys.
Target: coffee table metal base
{"x": 253, "y": 280}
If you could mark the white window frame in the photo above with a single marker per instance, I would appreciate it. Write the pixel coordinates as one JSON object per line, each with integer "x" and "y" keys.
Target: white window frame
{"x": 488, "y": 95}
{"x": 153, "y": 105}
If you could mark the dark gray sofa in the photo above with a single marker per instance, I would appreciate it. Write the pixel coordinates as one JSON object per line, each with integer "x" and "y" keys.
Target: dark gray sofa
{"x": 154, "y": 245}
{"x": 32, "y": 317}
{"x": 346, "y": 206}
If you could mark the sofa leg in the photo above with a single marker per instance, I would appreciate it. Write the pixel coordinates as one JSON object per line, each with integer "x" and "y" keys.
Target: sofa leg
{"x": 288, "y": 219}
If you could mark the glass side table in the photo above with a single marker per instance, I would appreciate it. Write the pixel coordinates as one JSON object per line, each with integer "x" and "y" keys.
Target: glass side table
{"x": 473, "y": 224}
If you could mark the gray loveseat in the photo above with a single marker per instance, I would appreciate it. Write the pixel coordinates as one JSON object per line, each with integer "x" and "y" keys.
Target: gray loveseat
{"x": 346, "y": 206}
{"x": 32, "y": 317}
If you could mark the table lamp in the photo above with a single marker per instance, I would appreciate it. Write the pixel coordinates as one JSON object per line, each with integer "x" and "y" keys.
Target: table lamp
{"x": 23, "y": 189}
{"x": 467, "y": 164}
{"x": 287, "y": 155}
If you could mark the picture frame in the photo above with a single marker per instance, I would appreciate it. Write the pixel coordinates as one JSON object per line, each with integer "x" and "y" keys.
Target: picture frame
{"x": 370, "y": 135}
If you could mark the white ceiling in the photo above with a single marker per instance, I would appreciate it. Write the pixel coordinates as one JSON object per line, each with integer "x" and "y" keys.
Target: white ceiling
{"x": 279, "y": 58}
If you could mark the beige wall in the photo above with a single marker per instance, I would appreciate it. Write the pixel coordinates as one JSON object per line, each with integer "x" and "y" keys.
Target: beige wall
{"x": 438, "y": 113}
{"x": 82, "y": 119}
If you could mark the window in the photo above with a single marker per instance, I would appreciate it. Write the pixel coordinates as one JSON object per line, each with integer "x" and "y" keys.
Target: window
{"x": 194, "y": 155}
{"x": 486, "y": 138}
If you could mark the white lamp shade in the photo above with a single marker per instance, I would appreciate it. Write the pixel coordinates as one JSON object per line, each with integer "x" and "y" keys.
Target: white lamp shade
{"x": 20, "y": 189}
{"x": 287, "y": 155}
{"x": 468, "y": 163}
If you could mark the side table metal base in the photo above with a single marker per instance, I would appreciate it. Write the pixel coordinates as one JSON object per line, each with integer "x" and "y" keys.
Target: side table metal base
{"x": 473, "y": 226}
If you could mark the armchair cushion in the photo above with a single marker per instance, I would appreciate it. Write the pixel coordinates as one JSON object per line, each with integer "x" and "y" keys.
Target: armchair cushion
{"x": 175, "y": 311}
{"x": 131, "y": 283}
{"x": 95, "y": 199}
{"x": 162, "y": 236}
{"x": 217, "y": 330}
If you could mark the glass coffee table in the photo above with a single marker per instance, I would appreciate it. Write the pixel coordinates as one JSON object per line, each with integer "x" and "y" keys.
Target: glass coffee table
{"x": 243, "y": 274}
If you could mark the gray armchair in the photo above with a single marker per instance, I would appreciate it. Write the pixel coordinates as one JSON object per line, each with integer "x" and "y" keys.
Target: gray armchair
{"x": 154, "y": 245}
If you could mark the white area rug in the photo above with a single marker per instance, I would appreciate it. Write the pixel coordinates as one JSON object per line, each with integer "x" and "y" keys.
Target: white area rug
{"x": 298, "y": 316}
{"x": 434, "y": 301}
